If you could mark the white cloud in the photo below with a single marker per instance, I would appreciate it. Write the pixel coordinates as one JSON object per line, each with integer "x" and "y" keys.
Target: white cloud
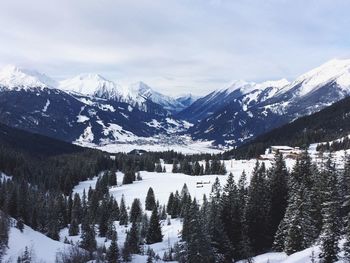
{"x": 176, "y": 46}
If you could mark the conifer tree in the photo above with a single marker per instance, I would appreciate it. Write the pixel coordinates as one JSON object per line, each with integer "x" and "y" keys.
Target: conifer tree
{"x": 123, "y": 217}
{"x": 150, "y": 202}
{"x": 159, "y": 168}
{"x": 198, "y": 246}
{"x": 278, "y": 187}
{"x": 103, "y": 218}
{"x": 231, "y": 217}
{"x": 132, "y": 242}
{"x": 77, "y": 209}
{"x": 113, "y": 251}
{"x": 154, "y": 233}
{"x": 331, "y": 225}
{"x": 346, "y": 246}
{"x": 135, "y": 211}
{"x": 257, "y": 208}
{"x": 88, "y": 241}
{"x": 73, "y": 228}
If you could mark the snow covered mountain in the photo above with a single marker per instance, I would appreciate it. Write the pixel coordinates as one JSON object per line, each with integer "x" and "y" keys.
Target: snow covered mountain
{"x": 146, "y": 92}
{"x": 91, "y": 109}
{"x": 12, "y": 77}
{"x": 136, "y": 94}
{"x": 87, "y": 109}
{"x": 249, "y": 91}
{"x": 187, "y": 99}
{"x": 263, "y": 108}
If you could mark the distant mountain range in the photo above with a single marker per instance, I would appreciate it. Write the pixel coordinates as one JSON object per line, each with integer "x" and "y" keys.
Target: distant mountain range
{"x": 246, "y": 110}
{"x": 91, "y": 110}
{"x": 329, "y": 124}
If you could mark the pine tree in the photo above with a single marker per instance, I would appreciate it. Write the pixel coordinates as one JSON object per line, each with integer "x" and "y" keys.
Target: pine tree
{"x": 88, "y": 241}
{"x": 150, "y": 202}
{"x": 346, "y": 246}
{"x": 257, "y": 209}
{"x": 132, "y": 242}
{"x": 123, "y": 217}
{"x": 278, "y": 187}
{"x": 77, "y": 209}
{"x": 4, "y": 233}
{"x": 112, "y": 178}
{"x": 219, "y": 241}
{"x": 129, "y": 177}
{"x": 135, "y": 211}
{"x": 198, "y": 246}
{"x": 159, "y": 168}
{"x": 331, "y": 225}
{"x": 154, "y": 233}
{"x": 169, "y": 207}
{"x": 103, "y": 218}
{"x": 113, "y": 251}
{"x": 73, "y": 228}
{"x": 196, "y": 168}
{"x": 231, "y": 217}
{"x": 26, "y": 257}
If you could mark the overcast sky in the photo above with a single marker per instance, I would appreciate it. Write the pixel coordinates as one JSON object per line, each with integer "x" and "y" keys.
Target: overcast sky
{"x": 176, "y": 46}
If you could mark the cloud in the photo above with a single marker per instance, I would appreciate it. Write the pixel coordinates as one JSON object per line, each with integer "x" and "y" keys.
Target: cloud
{"x": 176, "y": 46}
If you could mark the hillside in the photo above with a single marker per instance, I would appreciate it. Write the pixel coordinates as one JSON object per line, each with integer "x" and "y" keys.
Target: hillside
{"x": 328, "y": 124}
{"x": 34, "y": 143}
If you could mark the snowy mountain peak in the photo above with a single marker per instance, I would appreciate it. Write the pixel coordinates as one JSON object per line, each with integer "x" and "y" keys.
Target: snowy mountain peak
{"x": 335, "y": 70}
{"x": 87, "y": 84}
{"x": 146, "y": 92}
{"x": 247, "y": 87}
{"x": 15, "y": 77}
{"x": 243, "y": 85}
{"x": 273, "y": 84}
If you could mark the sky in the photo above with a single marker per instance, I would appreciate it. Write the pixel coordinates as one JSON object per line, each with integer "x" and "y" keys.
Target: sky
{"x": 175, "y": 46}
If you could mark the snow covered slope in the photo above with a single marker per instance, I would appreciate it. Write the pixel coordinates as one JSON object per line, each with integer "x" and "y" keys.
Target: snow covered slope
{"x": 43, "y": 249}
{"x": 12, "y": 77}
{"x": 258, "y": 109}
{"x": 91, "y": 85}
{"x": 187, "y": 99}
{"x": 336, "y": 71}
{"x": 147, "y": 92}
{"x": 250, "y": 92}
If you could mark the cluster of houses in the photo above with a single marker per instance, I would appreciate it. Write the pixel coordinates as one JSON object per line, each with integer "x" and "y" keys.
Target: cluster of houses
{"x": 286, "y": 151}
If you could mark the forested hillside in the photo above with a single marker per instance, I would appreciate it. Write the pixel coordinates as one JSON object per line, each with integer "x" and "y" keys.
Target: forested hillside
{"x": 328, "y": 124}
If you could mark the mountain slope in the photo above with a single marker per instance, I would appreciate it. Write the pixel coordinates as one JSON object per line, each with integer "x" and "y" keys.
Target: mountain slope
{"x": 187, "y": 100}
{"x": 12, "y": 77}
{"x": 34, "y": 143}
{"x": 167, "y": 102}
{"x": 238, "y": 121}
{"x": 100, "y": 116}
{"x": 328, "y": 124}
{"x": 216, "y": 100}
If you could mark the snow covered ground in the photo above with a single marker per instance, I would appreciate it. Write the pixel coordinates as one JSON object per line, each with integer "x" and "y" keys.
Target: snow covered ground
{"x": 162, "y": 184}
{"x": 165, "y": 183}
{"x": 43, "y": 249}
{"x": 193, "y": 148}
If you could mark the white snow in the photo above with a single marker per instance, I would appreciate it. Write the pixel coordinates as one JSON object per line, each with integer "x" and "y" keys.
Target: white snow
{"x": 87, "y": 136}
{"x": 147, "y": 92}
{"x": 14, "y": 77}
{"x": 337, "y": 70}
{"x": 159, "y": 144}
{"x": 82, "y": 118}
{"x": 164, "y": 183}
{"x": 90, "y": 84}
{"x": 44, "y": 249}
{"x": 46, "y": 105}
{"x": 4, "y": 177}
